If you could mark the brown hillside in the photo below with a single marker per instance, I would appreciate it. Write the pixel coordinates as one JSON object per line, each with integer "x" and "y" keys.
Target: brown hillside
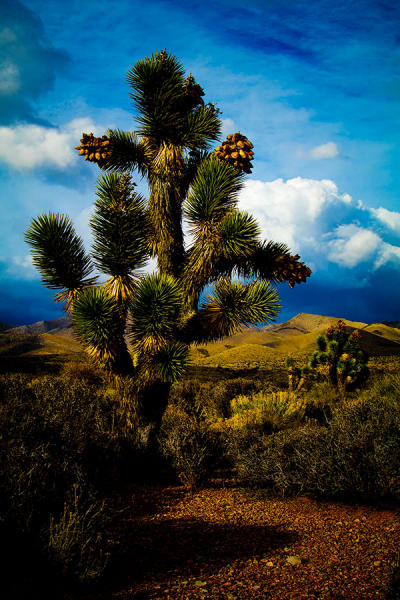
{"x": 254, "y": 347}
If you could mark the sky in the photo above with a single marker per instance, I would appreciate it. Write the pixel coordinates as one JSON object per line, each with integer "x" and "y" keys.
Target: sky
{"x": 314, "y": 85}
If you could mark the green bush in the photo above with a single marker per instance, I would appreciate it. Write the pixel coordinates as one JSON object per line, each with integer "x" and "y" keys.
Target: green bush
{"x": 266, "y": 411}
{"x": 191, "y": 438}
{"x": 56, "y": 432}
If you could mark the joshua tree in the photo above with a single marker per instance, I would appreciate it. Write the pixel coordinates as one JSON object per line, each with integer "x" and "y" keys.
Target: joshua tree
{"x": 339, "y": 358}
{"x": 202, "y": 291}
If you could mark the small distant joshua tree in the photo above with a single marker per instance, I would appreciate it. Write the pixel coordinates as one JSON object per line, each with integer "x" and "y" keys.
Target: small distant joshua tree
{"x": 338, "y": 359}
{"x": 138, "y": 324}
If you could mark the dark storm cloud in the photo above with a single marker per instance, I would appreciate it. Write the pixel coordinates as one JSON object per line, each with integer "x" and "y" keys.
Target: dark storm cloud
{"x": 29, "y": 63}
{"x": 25, "y": 302}
{"x": 375, "y": 302}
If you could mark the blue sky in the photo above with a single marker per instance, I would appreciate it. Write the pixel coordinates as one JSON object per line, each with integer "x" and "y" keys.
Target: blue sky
{"x": 314, "y": 85}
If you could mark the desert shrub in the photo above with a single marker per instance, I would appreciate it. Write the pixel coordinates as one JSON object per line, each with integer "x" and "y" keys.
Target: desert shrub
{"x": 366, "y": 438}
{"x": 318, "y": 402}
{"x": 83, "y": 370}
{"x": 188, "y": 443}
{"x": 213, "y": 399}
{"x": 357, "y": 453}
{"x": 256, "y": 415}
{"x": 261, "y": 412}
{"x": 77, "y": 544}
{"x": 55, "y": 433}
{"x": 190, "y": 395}
{"x": 290, "y": 461}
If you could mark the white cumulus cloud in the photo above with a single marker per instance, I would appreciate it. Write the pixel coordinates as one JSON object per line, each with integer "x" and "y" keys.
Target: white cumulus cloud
{"x": 352, "y": 245}
{"x": 20, "y": 266}
{"x": 323, "y": 225}
{"x": 328, "y": 150}
{"x": 389, "y": 218}
{"x": 32, "y": 146}
{"x": 387, "y": 254}
{"x": 290, "y": 211}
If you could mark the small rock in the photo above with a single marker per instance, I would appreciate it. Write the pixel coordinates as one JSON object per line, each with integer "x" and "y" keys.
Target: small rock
{"x": 295, "y": 561}
{"x": 377, "y": 563}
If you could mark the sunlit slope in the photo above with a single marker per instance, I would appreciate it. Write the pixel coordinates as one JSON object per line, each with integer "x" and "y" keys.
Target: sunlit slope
{"x": 51, "y": 343}
{"x": 255, "y": 347}
{"x": 37, "y": 353}
{"x": 390, "y": 333}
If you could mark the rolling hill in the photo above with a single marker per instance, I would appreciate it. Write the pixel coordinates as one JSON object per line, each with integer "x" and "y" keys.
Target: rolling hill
{"x": 250, "y": 348}
{"x": 256, "y": 347}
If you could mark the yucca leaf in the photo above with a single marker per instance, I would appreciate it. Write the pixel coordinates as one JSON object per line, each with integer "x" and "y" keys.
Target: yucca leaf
{"x": 239, "y": 235}
{"x": 119, "y": 226}
{"x": 171, "y": 361}
{"x": 97, "y": 323}
{"x": 262, "y": 261}
{"x": 262, "y": 303}
{"x": 95, "y": 317}
{"x": 213, "y": 193}
{"x": 203, "y": 127}
{"x": 128, "y": 152}
{"x": 216, "y": 251}
{"x": 154, "y": 311}
{"x": 157, "y": 84}
{"x": 58, "y": 253}
{"x": 231, "y": 306}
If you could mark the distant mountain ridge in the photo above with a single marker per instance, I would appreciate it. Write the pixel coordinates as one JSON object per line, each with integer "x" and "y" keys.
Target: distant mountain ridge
{"x": 303, "y": 322}
{"x": 247, "y": 347}
{"x": 56, "y": 326}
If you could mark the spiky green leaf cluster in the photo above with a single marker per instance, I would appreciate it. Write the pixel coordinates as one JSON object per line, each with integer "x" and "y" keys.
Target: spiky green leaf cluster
{"x": 233, "y": 304}
{"x": 213, "y": 193}
{"x": 171, "y": 361}
{"x": 165, "y": 112}
{"x": 154, "y": 311}
{"x": 128, "y": 152}
{"x": 97, "y": 323}
{"x": 58, "y": 253}
{"x": 119, "y": 226}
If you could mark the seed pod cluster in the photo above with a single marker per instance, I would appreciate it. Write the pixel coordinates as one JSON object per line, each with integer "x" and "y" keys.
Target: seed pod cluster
{"x": 237, "y": 151}
{"x": 288, "y": 268}
{"x": 193, "y": 93}
{"x": 95, "y": 149}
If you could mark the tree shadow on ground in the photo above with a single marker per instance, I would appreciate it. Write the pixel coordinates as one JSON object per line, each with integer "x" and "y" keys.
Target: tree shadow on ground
{"x": 163, "y": 548}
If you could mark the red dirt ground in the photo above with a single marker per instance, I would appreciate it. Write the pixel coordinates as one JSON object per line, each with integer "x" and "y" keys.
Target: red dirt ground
{"x": 227, "y": 543}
